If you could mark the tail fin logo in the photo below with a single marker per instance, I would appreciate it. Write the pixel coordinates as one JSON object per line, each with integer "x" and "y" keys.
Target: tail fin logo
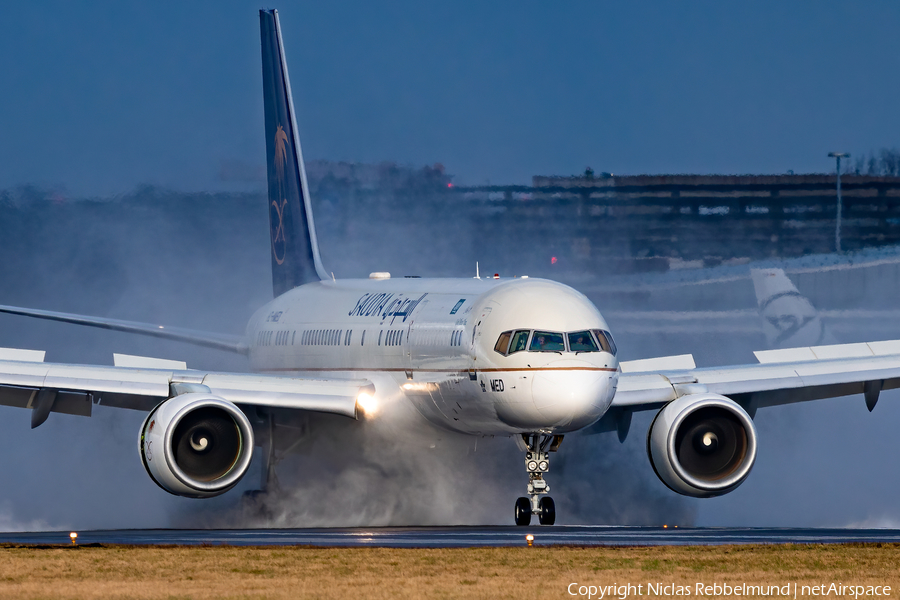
{"x": 279, "y": 241}
{"x": 281, "y": 139}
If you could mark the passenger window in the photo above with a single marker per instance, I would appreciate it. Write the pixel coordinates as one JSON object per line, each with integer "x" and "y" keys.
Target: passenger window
{"x": 502, "y": 342}
{"x": 546, "y": 341}
{"x": 582, "y": 341}
{"x": 519, "y": 341}
{"x": 606, "y": 341}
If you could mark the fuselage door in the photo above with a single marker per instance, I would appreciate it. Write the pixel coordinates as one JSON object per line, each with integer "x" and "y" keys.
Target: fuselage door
{"x": 476, "y": 336}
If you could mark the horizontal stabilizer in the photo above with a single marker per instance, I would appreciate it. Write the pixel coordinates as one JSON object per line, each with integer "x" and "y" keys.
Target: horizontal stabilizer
{"x": 22, "y": 355}
{"x": 787, "y": 355}
{"x": 220, "y": 341}
{"x": 663, "y": 363}
{"x": 145, "y": 362}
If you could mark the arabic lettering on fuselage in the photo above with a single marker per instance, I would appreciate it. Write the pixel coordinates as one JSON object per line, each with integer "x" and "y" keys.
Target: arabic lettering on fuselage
{"x": 385, "y": 305}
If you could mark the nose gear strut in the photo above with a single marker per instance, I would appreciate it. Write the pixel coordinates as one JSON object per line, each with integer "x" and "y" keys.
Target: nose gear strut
{"x": 537, "y": 462}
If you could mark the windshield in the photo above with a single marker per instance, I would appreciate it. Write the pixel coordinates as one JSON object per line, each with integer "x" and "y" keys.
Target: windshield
{"x": 594, "y": 340}
{"x": 547, "y": 341}
{"x": 502, "y": 342}
{"x": 582, "y": 341}
{"x": 606, "y": 341}
{"x": 519, "y": 341}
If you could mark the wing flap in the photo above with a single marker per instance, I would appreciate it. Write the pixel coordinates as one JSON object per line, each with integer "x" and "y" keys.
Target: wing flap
{"x": 145, "y": 362}
{"x": 22, "y": 355}
{"x": 119, "y": 380}
{"x": 812, "y": 353}
{"x": 663, "y": 363}
{"x": 19, "y": 397}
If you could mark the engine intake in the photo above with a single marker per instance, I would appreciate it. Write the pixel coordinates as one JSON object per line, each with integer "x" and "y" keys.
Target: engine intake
{"x": 702, "y": 445}
{"x": 196, "y": 445}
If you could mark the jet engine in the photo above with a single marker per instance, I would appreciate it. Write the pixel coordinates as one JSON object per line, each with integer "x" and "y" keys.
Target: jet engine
{"x": 702, "y": 445}
{"x": 196, "y": 445}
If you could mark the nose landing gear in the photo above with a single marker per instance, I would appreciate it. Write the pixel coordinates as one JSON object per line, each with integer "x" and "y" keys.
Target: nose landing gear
{"x": 537, "y": 462}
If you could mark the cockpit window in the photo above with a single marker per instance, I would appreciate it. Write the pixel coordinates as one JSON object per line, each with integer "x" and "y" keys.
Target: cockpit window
{"x": 612, "y": 344}
{"x": 606, "y": 341}
{"x": 519, "y": 341}
{"x": 546, "y": 341}
{"x": 502, "y": 342}
{"x": 582, "y": 341}
{"x": 595, "y": 340}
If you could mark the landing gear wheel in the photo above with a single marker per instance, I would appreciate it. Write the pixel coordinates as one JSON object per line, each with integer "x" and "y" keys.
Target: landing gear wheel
{"x": 523, "y": 512}
{"x": 547, "y": 515}
{"x": 538, "y": 447}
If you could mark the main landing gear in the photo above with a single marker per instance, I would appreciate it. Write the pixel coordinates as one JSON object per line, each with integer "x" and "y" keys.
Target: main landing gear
{"x": 537, "y": 462}
{"x": 268, "y": 483}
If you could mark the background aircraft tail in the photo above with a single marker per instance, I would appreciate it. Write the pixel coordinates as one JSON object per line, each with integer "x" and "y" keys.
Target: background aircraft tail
{"x": 789, "y": 318}
{"x": 295, "y": 250}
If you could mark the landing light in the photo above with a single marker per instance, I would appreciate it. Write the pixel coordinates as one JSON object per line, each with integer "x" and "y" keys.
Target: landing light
{"x": 367, "y": 403}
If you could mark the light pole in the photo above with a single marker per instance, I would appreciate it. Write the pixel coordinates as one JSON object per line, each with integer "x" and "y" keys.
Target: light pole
{"x": 837, "y": 228}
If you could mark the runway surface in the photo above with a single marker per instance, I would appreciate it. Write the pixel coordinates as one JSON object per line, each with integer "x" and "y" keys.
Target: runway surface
{"x": 455, "y": 537}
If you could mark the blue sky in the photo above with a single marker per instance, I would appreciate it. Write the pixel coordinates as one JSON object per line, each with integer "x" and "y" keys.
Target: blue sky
{"x": 98, "y": 98}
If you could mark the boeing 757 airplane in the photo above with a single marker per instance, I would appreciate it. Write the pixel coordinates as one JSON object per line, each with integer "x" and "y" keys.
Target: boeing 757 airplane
{"x": 529, "y": 359}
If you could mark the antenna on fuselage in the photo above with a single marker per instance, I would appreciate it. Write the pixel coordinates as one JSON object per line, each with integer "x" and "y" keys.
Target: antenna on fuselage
{"x": 477, "y": 274}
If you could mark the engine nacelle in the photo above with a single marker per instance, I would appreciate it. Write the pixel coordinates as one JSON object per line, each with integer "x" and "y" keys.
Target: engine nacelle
{"x": 196, "y": 445}
{"x": 702, "y": 445}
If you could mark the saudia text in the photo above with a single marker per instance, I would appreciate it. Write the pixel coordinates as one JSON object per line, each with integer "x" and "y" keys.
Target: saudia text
{"x": 385, "y": 305}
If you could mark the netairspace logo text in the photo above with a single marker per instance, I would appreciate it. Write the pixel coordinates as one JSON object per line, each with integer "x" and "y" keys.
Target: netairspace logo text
{"x": 787, "y": 590}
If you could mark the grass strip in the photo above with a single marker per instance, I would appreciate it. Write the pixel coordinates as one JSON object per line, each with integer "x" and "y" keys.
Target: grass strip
{"x": 216, "y": 572}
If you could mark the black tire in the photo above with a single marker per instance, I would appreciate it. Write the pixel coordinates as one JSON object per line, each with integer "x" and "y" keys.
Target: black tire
{"x": 548, "y": 511}
{"x": 523, "y": 512}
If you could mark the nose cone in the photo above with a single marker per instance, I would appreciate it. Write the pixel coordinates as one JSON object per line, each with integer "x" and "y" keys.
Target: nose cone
{"x": 571, "y": 394}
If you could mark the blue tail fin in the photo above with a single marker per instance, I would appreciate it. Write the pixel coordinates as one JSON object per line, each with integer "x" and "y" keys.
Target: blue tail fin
{"x": 295, "y": 250}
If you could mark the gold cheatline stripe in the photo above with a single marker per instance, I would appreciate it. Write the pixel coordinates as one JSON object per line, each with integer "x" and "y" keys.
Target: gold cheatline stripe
{"x": 402, "y": 370}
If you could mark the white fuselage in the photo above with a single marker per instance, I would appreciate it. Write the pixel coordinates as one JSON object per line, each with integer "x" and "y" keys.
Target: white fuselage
{"x": 432, "y": 341}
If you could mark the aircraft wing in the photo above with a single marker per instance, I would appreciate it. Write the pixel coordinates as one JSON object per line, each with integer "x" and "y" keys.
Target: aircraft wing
{"x": 781, "y": 377}
{"x": 220, "y": 341}
{"x": 27, "y": 382}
